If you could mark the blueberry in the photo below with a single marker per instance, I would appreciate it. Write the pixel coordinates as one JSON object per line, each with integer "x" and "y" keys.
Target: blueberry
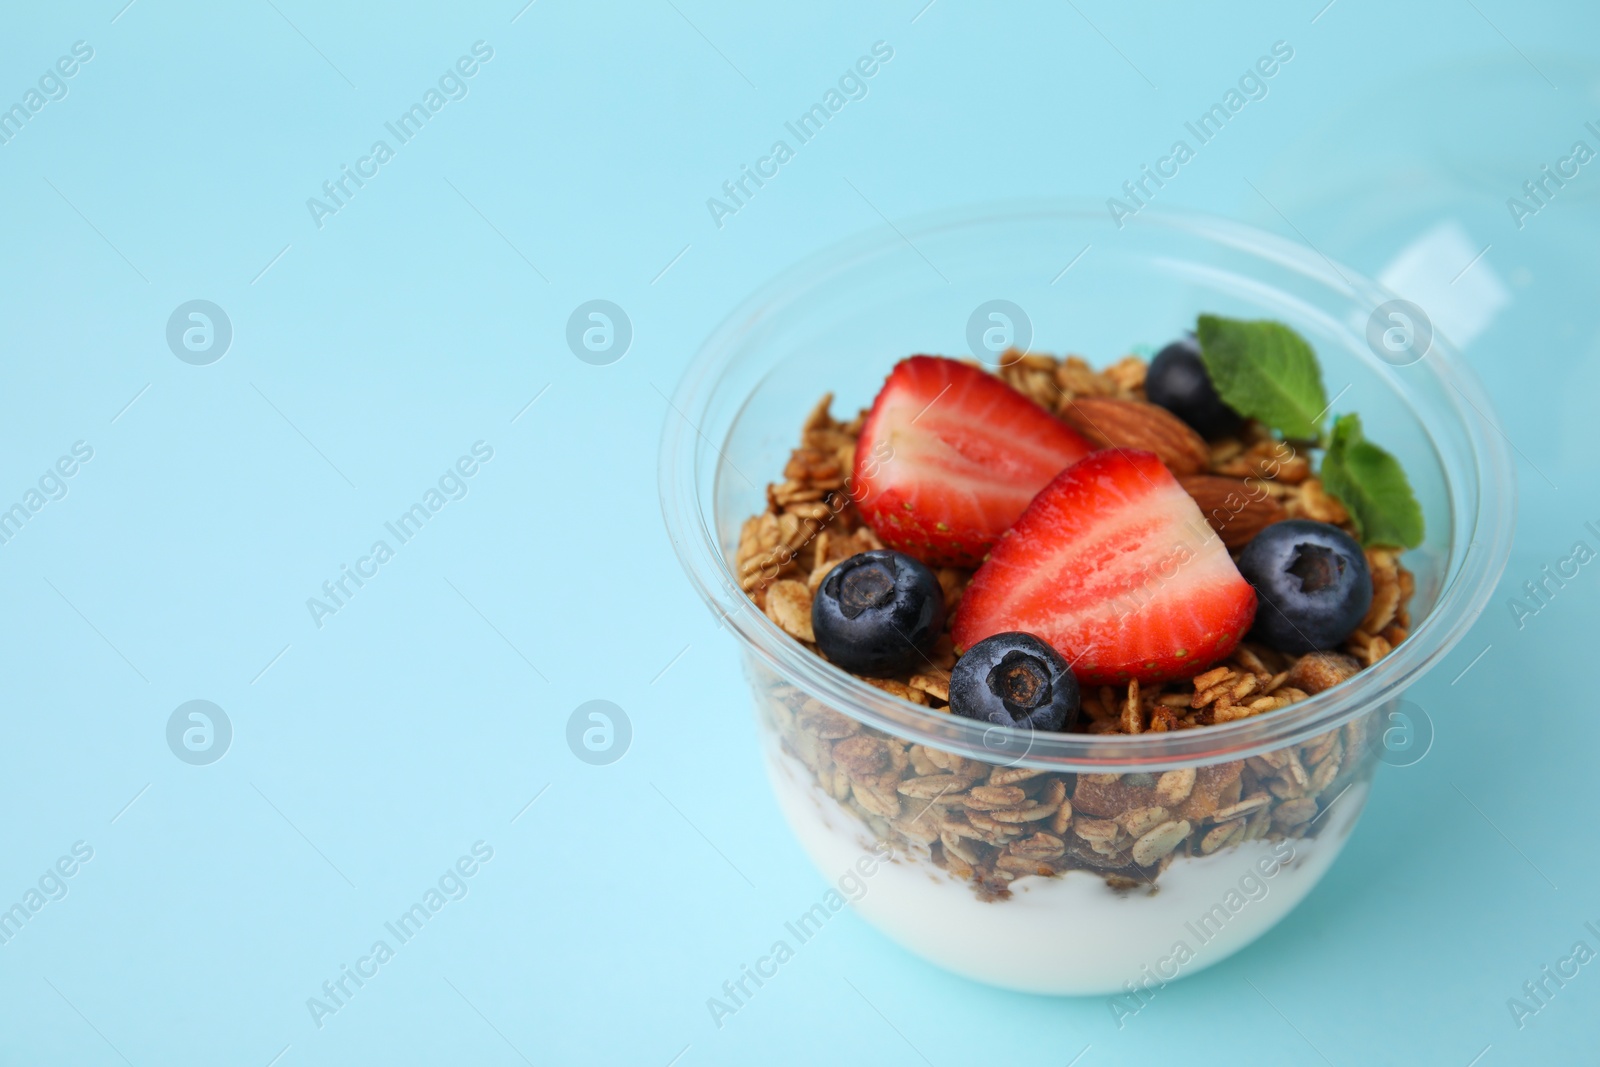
{"x": 1177, "y": 380}
{"x": 1312, "y": 585}
{"x": 1015, "y": 679}
{"x": 879, "y": 614}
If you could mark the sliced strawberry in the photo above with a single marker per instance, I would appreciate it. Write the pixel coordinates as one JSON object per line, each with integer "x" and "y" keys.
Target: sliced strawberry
{"x": 950, "y": 456}
{"x": 1114, "y": 565}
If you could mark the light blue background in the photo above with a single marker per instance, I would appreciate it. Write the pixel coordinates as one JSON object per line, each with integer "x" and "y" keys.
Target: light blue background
{"x": 426, "y": 714}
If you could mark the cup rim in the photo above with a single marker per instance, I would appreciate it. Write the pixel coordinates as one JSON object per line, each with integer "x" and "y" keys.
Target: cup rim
{"x": 1486, "y": 537}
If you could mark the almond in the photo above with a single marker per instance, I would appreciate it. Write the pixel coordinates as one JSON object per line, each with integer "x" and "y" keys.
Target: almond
{"x": 1234, "y": 508}
{"x": 1134, "y": 424}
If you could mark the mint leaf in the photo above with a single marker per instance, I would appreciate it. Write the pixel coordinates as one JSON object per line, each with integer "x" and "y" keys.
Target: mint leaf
{"x": 1266, "y": 371}
{"x": 1370, "y": 484}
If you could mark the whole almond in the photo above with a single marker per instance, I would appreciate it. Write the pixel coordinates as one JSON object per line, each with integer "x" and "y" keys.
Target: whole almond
{"x": 1234, "y": 508}
{"x": 1113, "y": 423}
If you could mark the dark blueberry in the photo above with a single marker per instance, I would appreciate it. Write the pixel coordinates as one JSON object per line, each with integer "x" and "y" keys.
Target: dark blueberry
{"x": 1312, "y": 585}
{"x": 1178, "y": 381}
{"x": 879, "y": 614}
{"x": 1015, "y": 680}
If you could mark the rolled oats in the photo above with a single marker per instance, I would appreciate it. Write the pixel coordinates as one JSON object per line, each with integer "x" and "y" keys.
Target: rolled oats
{"x": 1296, "y": 771}
{"x": 1324, "y": 775}
{"x": 990, "y": 797}
{"x": 1247, "y": 658}
{"x": 1315, "y": 750}
{"x": 1141, "y": 820}
{"x": 1244, "y": 807}
{"x": 935, "y": 683}
{"x": 899, "y": 689}
{"x": 1368, "y": 648}
{"x": 918, "y": 829}
{"x": 955, "y": 846}
{"x": 1012, "y": 775}
{"x": 1159, "y": 841}
{"x": 1294, "y": 812}
{"x": 989, "y": 829}
{"x": 1132, "y": 720}
{"x": 935, "y": 787}
{"x": 1039, "y": 846}
{"x": 875, "y": 800}
{"x": 789, "y": 605}
{"x": 1093, "y": 830}
{"x": 1021, "y": 815}
{"x": 1174, "y": 787}
{"x": 1013, "y": 863}
{"x": 1286, "y": 789}
{"x": 1221, "y": 835}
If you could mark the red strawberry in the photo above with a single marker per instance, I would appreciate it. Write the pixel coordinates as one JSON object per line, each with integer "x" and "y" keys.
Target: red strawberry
{"x": 950, "y": 456}
{"x": 1114, "y": 565}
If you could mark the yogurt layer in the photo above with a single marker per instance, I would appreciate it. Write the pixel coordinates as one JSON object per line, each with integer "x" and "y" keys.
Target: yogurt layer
{"x": 1069, "y": 934}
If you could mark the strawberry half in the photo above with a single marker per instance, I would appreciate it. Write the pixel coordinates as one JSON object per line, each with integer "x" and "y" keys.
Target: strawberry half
{"x": 1114, "y": 565}
{"x": 949, "y": 457}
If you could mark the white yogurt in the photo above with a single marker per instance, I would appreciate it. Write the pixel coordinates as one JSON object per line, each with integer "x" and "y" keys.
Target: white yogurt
{"x": 1071, "y": 934}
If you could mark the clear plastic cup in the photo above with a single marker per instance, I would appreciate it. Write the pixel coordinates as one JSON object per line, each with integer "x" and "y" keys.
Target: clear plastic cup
{"x": 1143, "y": 858}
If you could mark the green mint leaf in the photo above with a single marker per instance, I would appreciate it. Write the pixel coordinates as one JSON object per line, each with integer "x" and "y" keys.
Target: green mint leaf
{"x": 1370, "y": 484}
{"x": 1266, "y": 371}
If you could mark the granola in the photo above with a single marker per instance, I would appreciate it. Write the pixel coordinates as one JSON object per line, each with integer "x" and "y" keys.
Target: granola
{"x": 992, "y": 824}
{"x": 811, "y": 524}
